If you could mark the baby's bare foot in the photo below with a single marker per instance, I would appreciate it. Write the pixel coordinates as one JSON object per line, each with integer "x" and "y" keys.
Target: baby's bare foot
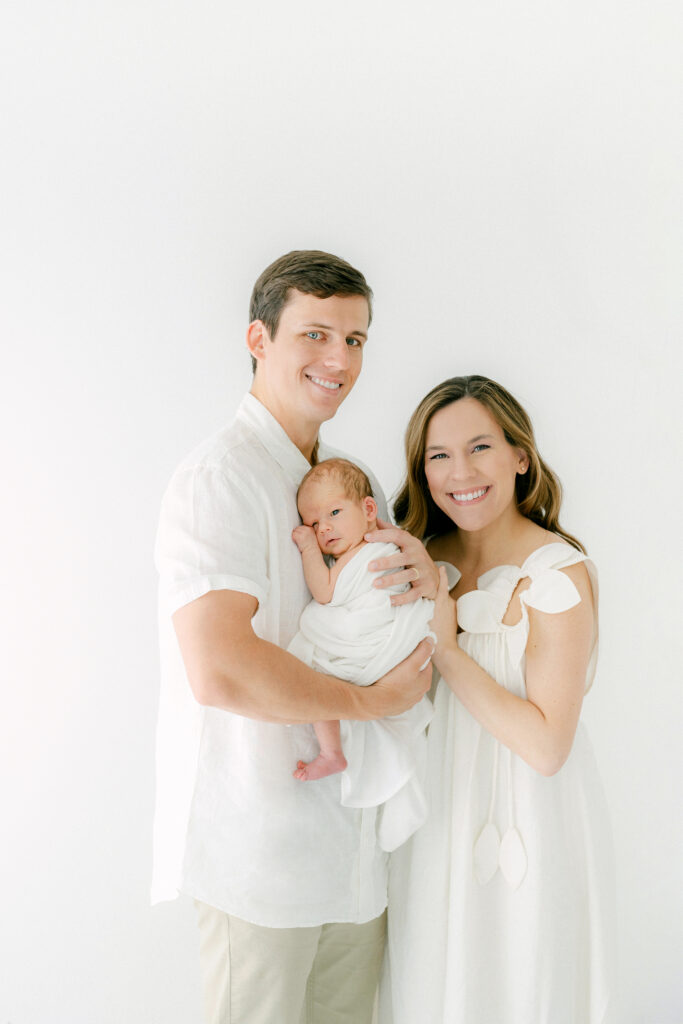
{"x": 324, "y": 764}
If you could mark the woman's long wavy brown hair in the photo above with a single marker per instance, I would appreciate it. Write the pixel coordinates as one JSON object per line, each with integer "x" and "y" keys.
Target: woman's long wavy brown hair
{"x": 539, "y": 492}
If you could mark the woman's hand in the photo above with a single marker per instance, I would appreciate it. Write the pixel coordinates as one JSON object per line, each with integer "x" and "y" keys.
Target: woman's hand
{"x": 445, "y": 620}
{"x": 413, "y": 565}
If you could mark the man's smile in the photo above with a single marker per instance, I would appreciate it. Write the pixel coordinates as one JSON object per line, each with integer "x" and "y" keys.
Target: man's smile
{"x": 325, "y": 382}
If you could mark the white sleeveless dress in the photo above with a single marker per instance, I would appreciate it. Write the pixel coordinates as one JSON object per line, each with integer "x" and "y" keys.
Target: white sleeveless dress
{"x": 501, "y": 906}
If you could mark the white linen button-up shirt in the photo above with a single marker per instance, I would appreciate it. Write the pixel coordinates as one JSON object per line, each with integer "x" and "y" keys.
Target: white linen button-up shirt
{"x": 233, "y": 828}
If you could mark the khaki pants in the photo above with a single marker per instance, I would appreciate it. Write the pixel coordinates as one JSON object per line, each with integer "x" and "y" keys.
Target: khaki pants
{"x": 255, "y": 975}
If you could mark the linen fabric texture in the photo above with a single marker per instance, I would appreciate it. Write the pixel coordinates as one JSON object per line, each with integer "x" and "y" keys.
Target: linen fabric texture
{"x": 502, "y": 905}
{"x": 233, "y": 828}
{"x": 359, "y": 636}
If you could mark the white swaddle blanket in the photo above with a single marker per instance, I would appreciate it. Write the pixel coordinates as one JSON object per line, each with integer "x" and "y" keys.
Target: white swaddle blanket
{"x": 359, "y": 636}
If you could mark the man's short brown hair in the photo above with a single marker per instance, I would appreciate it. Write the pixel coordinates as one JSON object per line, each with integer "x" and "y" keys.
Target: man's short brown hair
{"x": 353, "y": 480}
{"x": 309, "y": 271}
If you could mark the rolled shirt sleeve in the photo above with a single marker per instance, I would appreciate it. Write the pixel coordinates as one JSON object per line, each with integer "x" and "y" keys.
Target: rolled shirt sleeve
{"x": 212, "y": 536}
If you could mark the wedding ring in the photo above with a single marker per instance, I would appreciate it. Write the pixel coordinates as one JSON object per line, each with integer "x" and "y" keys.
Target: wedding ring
{"x": 416, "y": 577}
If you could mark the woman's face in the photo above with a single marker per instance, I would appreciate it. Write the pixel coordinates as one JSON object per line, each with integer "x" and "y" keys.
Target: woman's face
{"x": 470, "y": 467}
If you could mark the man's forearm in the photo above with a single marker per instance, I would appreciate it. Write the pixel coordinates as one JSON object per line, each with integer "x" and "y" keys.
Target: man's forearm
{"x": 264, "y": 682}
{"x": 228, "y": 666}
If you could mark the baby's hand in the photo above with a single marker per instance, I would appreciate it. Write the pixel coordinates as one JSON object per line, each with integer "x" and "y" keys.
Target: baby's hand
{"x": 304, "y": 537}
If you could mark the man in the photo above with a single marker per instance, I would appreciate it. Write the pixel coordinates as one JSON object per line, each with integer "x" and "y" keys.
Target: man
{"x": 290, "y": 886}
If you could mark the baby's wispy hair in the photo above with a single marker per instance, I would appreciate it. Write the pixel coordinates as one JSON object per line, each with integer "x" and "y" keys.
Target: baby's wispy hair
{"x": 353, "y": 480}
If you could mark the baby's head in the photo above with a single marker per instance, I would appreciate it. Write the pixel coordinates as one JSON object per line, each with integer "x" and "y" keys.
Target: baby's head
{"x": 335, "y": 499}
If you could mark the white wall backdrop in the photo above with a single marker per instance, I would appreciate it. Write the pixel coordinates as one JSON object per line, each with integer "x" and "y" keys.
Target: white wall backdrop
{"x": 508, "y": 176}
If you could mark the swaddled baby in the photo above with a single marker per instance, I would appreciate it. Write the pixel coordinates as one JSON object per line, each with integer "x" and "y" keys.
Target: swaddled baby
{"x": 352, "y": 631}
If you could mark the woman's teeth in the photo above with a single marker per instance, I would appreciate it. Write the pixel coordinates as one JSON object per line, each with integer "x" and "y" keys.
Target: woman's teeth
{"x": 469, "y": 495}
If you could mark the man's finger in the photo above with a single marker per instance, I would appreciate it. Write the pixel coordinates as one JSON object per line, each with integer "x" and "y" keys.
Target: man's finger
{"x": 424, "y": 650}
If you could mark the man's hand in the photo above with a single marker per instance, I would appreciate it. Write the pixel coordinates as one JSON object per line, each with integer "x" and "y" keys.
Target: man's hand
{"x": 304, "y": 537}
{"x": 413, "y": 564}
{"x": 402, "y": 687}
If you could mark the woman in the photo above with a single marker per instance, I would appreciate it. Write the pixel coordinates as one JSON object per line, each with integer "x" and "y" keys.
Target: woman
{"x": 500, "y": 907}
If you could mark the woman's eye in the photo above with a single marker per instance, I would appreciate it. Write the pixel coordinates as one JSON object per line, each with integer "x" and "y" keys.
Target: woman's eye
{"x": 439, "y": 455}
{"x": 481, "y": 447}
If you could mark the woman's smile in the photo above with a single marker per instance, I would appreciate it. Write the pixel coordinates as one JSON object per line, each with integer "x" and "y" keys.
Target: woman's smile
{"x": 471, "y": 497}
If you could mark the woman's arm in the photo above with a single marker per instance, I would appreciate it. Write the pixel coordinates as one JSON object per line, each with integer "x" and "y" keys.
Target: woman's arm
{"x": 541, "y": 728}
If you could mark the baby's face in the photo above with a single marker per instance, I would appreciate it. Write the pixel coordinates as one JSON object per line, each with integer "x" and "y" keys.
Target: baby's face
{"x": 340, "y": 522}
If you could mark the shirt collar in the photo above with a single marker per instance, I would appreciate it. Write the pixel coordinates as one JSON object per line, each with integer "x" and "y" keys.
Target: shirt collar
{"x": 273, "y": 437}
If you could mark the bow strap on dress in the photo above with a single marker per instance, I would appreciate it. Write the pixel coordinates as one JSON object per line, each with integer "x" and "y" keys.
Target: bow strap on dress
{"x": 550, "y": 590}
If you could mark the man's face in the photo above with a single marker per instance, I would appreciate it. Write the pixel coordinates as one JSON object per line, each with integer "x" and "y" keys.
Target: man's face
{"x": 311, "y": 364}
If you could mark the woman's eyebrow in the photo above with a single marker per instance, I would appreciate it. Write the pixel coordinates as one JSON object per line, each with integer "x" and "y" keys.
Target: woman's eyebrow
{"x": 472, "y": 440}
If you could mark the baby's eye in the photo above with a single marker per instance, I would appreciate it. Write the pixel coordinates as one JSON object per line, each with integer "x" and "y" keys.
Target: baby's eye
{"x": 335, "y": 511}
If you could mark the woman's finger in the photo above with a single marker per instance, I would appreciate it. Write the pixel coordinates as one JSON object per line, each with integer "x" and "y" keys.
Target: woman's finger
{"x": 392, "y": 535}
{"x": 389, "y": 562}
{"x": 407, "y": 574}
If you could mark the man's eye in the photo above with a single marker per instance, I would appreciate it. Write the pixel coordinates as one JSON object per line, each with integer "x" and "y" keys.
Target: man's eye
{"x": 354, "y": 342}
{"x": 314, "y": 335}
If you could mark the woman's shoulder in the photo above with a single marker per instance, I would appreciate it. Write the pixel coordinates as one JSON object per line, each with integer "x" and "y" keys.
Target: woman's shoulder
{"x": 539, "y": 548}
{"x": 551, "y": 551}
{"x": 542, "y": 571}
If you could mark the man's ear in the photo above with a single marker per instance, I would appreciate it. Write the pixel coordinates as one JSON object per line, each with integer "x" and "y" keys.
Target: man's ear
{"x": 257, "y": 338}
{"x": 370, "y": 506}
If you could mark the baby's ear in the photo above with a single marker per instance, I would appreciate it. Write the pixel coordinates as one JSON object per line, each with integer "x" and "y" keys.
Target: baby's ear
{"x": 370, "y": 506}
